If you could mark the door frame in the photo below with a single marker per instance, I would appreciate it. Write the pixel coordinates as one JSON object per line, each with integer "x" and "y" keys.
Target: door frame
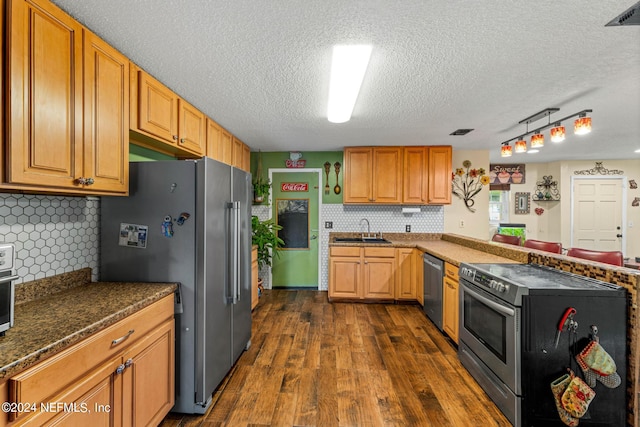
{"x": 319, "y": 183}
{"x": 623, "y": 225}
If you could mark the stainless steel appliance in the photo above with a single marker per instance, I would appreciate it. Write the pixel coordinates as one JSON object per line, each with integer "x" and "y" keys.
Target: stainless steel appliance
{"x": 188, "y": 222}
{"x": 433, "y": 273}
{"x": 7, "y": 286}
{"x": 509, "y": 314}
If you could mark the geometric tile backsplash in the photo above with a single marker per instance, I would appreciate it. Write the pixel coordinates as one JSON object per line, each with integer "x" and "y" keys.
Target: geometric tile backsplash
{"x": 346, "y": 218}
{"x": 52, "y": 234}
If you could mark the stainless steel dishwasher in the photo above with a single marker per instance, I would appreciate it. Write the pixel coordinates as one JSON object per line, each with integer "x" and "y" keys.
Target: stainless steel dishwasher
{"x": 433, "y": 273}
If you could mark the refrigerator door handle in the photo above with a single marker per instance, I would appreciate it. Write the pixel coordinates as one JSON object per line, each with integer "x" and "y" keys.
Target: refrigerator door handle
{"x": 235, "y": 254}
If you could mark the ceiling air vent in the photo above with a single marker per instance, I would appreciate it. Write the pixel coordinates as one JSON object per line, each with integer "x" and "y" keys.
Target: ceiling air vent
{"x": 630, "y": 16}
{"x": 461, "y": 132}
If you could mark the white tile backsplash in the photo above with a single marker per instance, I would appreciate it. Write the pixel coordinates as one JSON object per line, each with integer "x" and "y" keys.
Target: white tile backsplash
{"x": 52, "y": 234}
{"x": 346, "y": 218}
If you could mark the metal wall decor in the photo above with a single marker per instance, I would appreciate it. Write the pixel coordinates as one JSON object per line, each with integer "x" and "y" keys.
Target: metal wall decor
{"x": 466, "y": 183}
{"x": 546, "y": 190}
{"x": 522, "y": 204}
{"x": 598, "y": 169}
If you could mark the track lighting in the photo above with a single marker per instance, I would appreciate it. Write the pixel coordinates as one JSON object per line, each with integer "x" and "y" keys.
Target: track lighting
{"x": 582, "y": 126}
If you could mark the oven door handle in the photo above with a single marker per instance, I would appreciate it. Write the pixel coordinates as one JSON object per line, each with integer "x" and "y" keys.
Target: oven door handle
{"x": 497, "y": 307}
{"x": 9, "y": 279}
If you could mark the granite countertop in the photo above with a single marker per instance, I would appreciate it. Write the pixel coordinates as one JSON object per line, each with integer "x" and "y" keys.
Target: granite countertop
{"x": 433, "y": 243}
{"x": 47, "y": 325}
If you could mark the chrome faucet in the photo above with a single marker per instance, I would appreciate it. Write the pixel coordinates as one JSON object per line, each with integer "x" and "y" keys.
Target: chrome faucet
{"x": 368, "y": 227}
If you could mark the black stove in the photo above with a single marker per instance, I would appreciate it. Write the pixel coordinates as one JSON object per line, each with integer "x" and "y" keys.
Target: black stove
{"x": 510, "y": 282}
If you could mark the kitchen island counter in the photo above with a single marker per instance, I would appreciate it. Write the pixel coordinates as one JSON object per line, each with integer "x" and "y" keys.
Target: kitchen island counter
{"x": 49, "y": 324}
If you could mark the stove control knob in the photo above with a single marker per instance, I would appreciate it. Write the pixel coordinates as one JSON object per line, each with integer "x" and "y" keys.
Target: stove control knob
{"x": 493, "y": 284}
{"x": 500, "y": 287}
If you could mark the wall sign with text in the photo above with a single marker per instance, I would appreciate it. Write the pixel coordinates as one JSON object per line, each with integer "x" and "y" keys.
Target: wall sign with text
{"x": 294, "y": 186}
{"x": 506, "y": 174}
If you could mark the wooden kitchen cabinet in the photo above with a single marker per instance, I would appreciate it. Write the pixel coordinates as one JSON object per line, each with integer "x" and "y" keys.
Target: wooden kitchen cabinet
{"x": 415, "y": 175}
{"x": 362, "y": 273}
{"x": 254, "y": 277}
{"x": 124, "y": 375}
{"x": 406, "y": 274}
{"x": 246, "y": 158}
{"x": 439, "y": 175}
{"x": 372, "y": 175}
{"x": 162, "y": 121}
{"x": 450, "y": 302}
{"x": 57, "y": 140}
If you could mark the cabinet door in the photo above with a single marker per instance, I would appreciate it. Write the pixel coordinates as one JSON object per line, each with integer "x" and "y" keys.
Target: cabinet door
{"x": 106, "y": 116}
{"x": 415, "y": 184}
{"x": 405, "y": 275}
{"x": 226, "y": 147}
{"x": 214, "y": 134}
{"x": 344, "y": 277}
{"x": 379, "y": 278}
{"x": 45, "y": 107}
{"x": 246, "y": 158}
{"x": 387, "y": 175}
{"x": 157, "y": 109}
{"x": 192, "y": 128}
{"x": 450, "y": 307}
{"x": 357, "y": 175}
{"x": 148, "y": 380}
{"x": 237, "y": 153}
{"x": 440, "y": 175}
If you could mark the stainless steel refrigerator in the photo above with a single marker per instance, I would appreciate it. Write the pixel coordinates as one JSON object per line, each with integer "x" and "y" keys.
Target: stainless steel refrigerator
{"x": 188, "y": 222}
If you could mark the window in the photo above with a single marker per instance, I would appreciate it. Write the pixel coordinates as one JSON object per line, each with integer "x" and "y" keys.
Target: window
{"x": 498, "y": 207}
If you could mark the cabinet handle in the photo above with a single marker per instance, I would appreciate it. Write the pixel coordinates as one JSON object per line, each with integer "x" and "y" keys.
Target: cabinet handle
{"x": 122, "y": 338}
{"x": 120, "y": 369}
{"x": 175, "y": 137}
{"x": 366, "y": 262}
{"x": 128, "y": 363}
{"x": 183, "y": 140}
{"x": 84, "y": 181}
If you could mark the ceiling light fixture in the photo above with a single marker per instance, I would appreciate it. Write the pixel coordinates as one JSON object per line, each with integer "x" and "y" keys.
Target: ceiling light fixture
{"x": 506, "y": 150}
{"x": 581, "y": 126}
{"x": 521, "y": 146}
{"x": 557, "y": 133}
{"x": 348, "y": 66}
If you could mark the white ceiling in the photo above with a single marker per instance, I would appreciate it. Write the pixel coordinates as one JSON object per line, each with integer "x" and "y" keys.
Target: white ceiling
{"x": 260, "y": 68}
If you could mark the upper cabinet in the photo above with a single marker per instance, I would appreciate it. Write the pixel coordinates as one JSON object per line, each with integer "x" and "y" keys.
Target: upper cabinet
{"x": 397, "y": 175}
{"x": 162, "y": 120}
{"x": 440, "y": 175}
{"x": 373, "y": 175}
{"x": 58, "y": 142}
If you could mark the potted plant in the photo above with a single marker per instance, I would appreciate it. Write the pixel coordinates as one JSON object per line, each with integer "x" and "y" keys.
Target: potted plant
{"x": 261, "y": 186}
{"x": 264, "y": 234}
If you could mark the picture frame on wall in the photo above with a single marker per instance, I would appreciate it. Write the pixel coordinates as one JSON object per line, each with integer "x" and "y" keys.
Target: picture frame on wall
{"x": 522, "y": 203}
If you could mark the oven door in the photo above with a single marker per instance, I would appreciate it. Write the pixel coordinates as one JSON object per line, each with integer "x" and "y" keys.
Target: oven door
{"x": 490, "y": 328}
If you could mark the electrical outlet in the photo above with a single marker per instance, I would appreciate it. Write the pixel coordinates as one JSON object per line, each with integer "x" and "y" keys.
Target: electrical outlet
{"x": 407, "y": 228}
{"x": 462, "y": 223}
{"x": 328, "y": 224}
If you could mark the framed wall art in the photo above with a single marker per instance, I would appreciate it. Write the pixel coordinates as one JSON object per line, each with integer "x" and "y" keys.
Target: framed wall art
{"x": 522, "y": 203}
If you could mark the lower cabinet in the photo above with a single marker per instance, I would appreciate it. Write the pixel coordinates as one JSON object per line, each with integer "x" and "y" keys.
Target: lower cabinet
{"x": 120, "y": 376}
{"x": 406, "y": 285}
{"x": 450, "y": 302}
{"x": 362, "y": 273}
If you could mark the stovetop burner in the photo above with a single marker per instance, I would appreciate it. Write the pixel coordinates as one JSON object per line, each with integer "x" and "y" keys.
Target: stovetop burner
{"x": 510, "y": 282}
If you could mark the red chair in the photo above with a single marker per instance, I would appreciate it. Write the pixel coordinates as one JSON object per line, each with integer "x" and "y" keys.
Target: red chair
{"x": 540, "y": 245}
{"x": 612, "y": 257}
{"x": 505, "y": 238}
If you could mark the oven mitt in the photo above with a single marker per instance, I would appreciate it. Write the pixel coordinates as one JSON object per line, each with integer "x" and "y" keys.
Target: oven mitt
{"x": 558, "y": 388}
{"x": 577, "y": 396}
{"x": 597, "y": 364}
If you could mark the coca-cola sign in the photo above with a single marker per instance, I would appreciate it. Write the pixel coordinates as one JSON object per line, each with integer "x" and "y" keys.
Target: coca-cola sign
{"x": 294, "y": 186}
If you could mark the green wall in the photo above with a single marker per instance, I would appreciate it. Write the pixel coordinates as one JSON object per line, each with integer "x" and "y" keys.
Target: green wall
{"x": 141, "y": 154}
{"x": 314, "y": 159}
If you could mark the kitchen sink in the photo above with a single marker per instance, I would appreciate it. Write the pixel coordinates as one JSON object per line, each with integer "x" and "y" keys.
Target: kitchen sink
{"x": 360, "y": 240}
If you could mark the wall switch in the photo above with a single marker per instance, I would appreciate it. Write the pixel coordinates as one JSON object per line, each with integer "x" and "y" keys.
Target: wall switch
{"x": 462, "y": 223}
{"x": 328, "y": 224}
{"x": 407, "y": 228}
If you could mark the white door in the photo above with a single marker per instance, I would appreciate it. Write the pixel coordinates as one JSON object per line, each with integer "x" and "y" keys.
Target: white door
{"x": 597, "y": 214}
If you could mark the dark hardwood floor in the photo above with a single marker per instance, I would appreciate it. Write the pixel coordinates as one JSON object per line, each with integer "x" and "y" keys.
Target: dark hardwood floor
{"x": 315, "y": 363}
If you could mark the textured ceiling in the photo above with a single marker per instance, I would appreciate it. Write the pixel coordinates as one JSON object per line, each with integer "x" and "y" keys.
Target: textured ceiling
{"x": 260, "y": 68}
